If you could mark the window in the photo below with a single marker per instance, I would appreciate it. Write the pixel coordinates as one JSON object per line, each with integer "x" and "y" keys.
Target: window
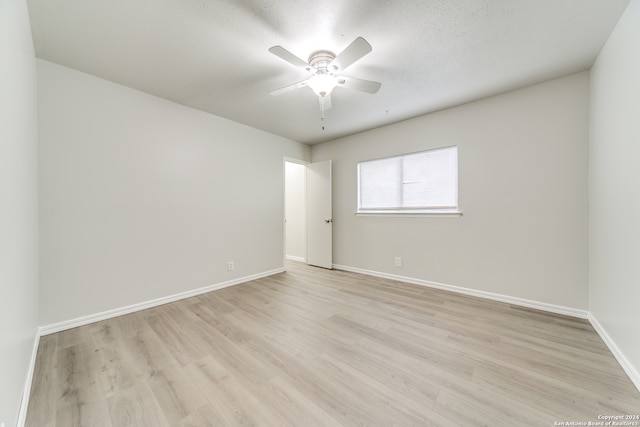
{"x": 422, "y": 183}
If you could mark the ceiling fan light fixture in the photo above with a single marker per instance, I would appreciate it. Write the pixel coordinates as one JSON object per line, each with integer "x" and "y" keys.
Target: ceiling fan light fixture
{"x": 322, "y": 84}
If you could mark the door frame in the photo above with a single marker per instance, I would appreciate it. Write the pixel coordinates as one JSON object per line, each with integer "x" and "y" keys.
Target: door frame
{"x": 304, "y": 163}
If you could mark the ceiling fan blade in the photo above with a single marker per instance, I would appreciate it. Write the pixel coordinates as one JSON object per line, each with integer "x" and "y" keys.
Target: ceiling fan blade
{"x": 283, "y": 53}
{"x": 325, "y": 102}
{"x": 289, "y": 88}
{"x": 359, "y": 84}
{"x": 356, "y": 50}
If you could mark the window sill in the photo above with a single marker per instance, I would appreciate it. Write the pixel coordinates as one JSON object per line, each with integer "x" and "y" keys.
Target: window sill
{"x": 445, "y": 214}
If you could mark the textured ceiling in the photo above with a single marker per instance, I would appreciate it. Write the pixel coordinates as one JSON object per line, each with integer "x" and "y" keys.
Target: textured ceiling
{"x": 429, "y": 54}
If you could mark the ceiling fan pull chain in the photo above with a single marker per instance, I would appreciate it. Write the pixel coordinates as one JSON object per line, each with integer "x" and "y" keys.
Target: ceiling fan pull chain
{"x": 322, "y": 111}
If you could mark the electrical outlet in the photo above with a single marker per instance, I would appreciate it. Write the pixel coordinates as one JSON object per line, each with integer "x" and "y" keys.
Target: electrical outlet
{"x": 398, "y": 262}
{"x": 230, "y": 266}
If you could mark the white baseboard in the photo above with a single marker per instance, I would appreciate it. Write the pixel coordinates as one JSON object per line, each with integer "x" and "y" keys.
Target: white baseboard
{"x": 296, "y": 258}
{"x": 567, "y": 311}
{"x": 85, "y": 320}
{"x": 22, "y": 414}
{"x": 631, "y": 371}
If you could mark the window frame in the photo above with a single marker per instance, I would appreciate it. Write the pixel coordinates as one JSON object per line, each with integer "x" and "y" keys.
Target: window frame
{"x": 449, "y": 211}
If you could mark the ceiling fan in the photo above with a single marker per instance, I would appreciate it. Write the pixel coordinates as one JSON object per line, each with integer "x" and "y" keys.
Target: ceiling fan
{"x": 325, "y": 67}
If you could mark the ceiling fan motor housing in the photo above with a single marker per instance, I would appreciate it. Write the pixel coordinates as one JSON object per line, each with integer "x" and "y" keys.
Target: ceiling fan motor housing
{"x": 320, "y": 61}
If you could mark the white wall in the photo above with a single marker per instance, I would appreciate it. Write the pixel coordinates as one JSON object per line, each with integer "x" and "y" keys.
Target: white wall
{"x": 295, "y": 211}
{"x": 523, "y": 191}
{"x": 18, "y": 205}
{"x": 614, "y": 196}
{"x": 143, "y": 198}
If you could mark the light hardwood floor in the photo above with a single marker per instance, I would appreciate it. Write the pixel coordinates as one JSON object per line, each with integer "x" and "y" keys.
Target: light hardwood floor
{"x": 313, "y": 347}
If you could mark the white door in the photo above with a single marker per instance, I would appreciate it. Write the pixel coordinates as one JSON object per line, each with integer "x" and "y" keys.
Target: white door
{"x": 319, "y": 215}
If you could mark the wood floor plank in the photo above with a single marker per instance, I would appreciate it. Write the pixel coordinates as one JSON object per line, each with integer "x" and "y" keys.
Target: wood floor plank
{"x": 176, "y": 393}
{"x": 79, "y": 402}
{"x": 526, "y": 387}
{"x": 233, "y": 397}
{"x": 44, "y": 386}
{"x": 118, "y": 372}
{"x": 148, "y": 353}
{"x": 316, "y": 347}
{"x": 302, "y": 410}
{"x": 135, "y": 406}
{"x": 175, "y": 339}
{"x": 437, "y": 357}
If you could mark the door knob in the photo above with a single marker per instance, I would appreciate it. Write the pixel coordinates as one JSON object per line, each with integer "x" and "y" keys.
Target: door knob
{"x": 328, "y": 221}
